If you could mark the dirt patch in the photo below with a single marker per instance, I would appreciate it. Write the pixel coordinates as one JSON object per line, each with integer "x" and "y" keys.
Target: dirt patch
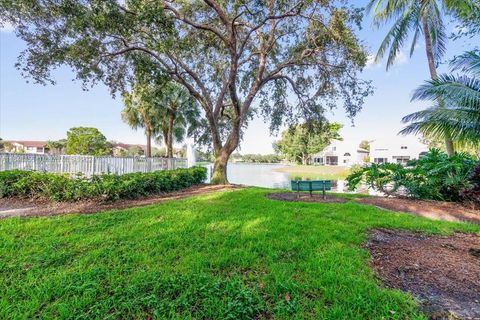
{"x": 304, "y": 197}
{"x": 438, "y": 210}
{"x": 442, "y": 272}
{"x": 14, "y": 207}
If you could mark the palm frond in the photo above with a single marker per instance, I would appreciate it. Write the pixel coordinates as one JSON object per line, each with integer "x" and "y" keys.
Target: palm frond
{"x": 437, "y": 29}
{"x": 398, "y": 34}
{"x": 468, "y": 62}
{"x": 454, "y": 90}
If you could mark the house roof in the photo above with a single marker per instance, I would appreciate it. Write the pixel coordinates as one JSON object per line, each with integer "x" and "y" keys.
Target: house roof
{"x": 127, "y": 145}
{"x": 27, "y": 143}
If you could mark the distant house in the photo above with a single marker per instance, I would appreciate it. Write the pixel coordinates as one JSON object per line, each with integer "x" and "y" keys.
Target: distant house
{"x": 340, "y": 153}
{"x": 119, "y": 149}
{"x": 20, "y": 146}
{"x": 396, "y": 152}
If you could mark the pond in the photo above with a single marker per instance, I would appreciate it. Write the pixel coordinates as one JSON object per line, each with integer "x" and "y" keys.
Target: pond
{"x": 267, "y": 176}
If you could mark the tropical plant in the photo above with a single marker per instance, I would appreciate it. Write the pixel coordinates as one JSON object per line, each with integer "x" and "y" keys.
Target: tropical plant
{"x": 297, "y": 59}
{"x": 460, "y": 118}
{"x": 435, "y": 176}
{"x": 299, "y": 142}
{"x": 179, "y": 117}
{"x": 87, "y": 141}
{"x": 58, "y": 146}
{"x": 414, "y": 18}
{"x": 141, "y": 110}
{"x": 472, "y": 194}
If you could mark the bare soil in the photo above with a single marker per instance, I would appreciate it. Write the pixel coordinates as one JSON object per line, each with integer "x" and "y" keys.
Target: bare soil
{"x": 14, "y": 207}
{"x": 438, "y": 210}
{"x": 442, "y": 272}
{"x": 304, "y": 197}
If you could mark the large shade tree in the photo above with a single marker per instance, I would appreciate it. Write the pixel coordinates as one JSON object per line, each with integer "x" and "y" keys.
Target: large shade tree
{"x": 87, "y": 141}
{"x": 414, "y": 19}
{"x": 296, "y": 58}
{"x": 301, "y": 141}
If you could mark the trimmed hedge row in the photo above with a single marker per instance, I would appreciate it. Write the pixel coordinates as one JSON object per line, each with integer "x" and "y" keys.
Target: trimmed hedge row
{"x": 62, "y": 187}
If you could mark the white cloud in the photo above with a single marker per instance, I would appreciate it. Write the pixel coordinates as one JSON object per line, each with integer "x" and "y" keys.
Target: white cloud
{"x": 371, "y": 63}
{"x": 402, "y": 58}
{"x": 6, "y": 27}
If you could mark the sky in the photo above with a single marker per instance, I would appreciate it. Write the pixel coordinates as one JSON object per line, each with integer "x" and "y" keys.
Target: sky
{"x": 30, "y": 111}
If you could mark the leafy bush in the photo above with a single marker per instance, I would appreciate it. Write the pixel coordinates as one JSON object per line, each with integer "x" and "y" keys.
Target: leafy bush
{"x": 62, "y": 187}
{"x": 435, "y": 176}
{"x": 472, "y": 194}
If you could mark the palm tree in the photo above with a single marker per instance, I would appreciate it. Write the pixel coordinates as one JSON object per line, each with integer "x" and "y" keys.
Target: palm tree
{"x": 415, "y": 18}
{"x": 140, "y": 111}
{"x": 179, "y": 118}
{"x": 460, "y": 118}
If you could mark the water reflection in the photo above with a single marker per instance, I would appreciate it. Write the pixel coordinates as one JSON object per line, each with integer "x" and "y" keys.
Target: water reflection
{"x": 265, "y": 175}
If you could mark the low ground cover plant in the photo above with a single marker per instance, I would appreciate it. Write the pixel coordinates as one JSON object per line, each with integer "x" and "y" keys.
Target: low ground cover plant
{"x": 436, "y": 176}
{"x": 62, "y": 187}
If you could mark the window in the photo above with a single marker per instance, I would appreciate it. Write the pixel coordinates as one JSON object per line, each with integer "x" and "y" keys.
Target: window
{"x": 332, "y": 160}
{"x": 347, "y": 154}
{"x": 380, "y": 160}
{"x": 403, "y": 147}
{"x": 334, "y": 148}
{"x": 422, "y": 154}
{"x": 401, "y": 159}
{"x": 39, "y": 149}
{"x": 31, "y": 149}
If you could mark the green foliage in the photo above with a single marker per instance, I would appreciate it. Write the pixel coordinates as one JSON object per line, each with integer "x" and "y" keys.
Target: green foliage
{"x": 299, "y": 142}
{"x": 364, "y": 144}
{"x": 61, "y": 187}
{"x": 460, "y": 118}
{"x": 435, "y": 176}
{"x": 472, "y": 194}
{"x": 286, "y": 62}
{"x": 412, "y": 19}
{"x": 164, "y": 110}
{"x": 468, "y": 13}
{"x": 87, "y": 141}
{"x": 226, "y": 255}
{"x": 257, "y": 158}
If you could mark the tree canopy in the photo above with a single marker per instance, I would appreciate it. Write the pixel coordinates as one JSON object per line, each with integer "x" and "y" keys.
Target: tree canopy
{"x": 299, "y": 142}
{"x": 87, "y": 141}
{"x": 297, "y": 58}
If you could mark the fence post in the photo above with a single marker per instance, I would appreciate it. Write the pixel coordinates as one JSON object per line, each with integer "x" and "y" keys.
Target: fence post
{"x": 93, "y": 165}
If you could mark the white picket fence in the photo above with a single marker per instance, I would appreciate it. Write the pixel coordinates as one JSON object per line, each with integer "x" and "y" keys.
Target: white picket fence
{"x": 87, "y": 165}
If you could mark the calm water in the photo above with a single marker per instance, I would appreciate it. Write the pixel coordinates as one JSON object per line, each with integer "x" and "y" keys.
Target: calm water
{"x": 265, "y": 175}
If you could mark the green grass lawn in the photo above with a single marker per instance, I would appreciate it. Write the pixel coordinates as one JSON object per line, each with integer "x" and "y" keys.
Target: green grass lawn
{"x": 230, "y": 255}
{"x": 314, "y": 172}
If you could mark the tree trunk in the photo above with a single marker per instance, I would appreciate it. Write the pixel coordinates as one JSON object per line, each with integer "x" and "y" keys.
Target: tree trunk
{"x": 148, "y": 152}
{"x": 219, "y": 174}
{"x": 169, "y": 140}
{"x": 434, "y": 76}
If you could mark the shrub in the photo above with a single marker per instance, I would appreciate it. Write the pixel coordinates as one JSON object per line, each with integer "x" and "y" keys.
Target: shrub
{"x": 435, "y": 176}
{"x": 62, "y": 187}
{"x": 472, "y": 194}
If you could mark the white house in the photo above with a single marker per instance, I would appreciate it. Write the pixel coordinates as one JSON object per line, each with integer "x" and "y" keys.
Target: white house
{"x": 399, "y": 150}
{"x": 341, "y": 153}
{"x": 38, "y": 147}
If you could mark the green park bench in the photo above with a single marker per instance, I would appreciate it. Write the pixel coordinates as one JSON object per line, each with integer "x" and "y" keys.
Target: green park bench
{"x": 310, "y": 186}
